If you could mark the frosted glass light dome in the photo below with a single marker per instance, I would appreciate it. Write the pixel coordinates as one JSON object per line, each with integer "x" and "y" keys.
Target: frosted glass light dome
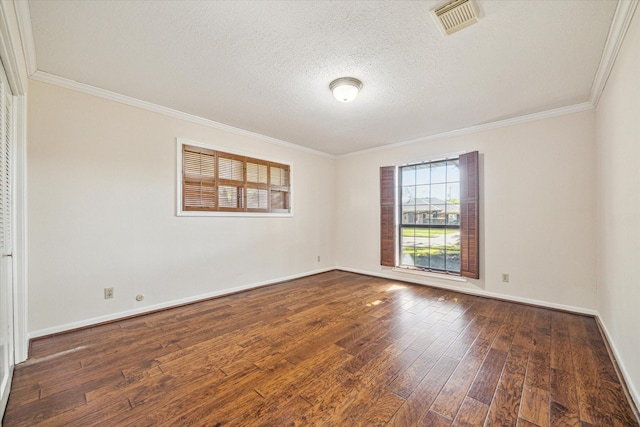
{"x": 345, "y": 89}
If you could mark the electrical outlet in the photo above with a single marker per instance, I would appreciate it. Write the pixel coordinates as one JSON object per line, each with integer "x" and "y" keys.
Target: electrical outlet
{"x": 505, "y": 277}
{"x": 108, "y": 293}
{"x": 318, "y": 258}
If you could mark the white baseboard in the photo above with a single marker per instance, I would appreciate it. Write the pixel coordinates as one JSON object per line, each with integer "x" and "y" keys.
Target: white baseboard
{"x": 633, "y": 391}
{"x": 5, "y": 394}
{"x": 408, "y": 278}
{"x": 122, "y": 314}
{"x": 477, "y": 292}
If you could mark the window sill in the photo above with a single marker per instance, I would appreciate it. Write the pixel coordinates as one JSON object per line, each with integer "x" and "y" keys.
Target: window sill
{"x": 430, "y": 274}
{"x": 236, "y": 214}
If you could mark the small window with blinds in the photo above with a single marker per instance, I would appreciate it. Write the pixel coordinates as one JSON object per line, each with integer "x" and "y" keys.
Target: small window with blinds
{"x": 216, "y": 181}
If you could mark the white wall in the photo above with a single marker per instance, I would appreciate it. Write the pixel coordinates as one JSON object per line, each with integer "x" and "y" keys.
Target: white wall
{"x": 618, "y": 206}
{"x": 102, "y": 213}
{"x": 537, "y": 214}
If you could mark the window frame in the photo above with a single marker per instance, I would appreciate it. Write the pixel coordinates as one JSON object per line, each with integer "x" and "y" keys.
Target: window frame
{"x": 391, "y": 211}
{"x": 400, "y": 225}
{"x": 228, "y": 212}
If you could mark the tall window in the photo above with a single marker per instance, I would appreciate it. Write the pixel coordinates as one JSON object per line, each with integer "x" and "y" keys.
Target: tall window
{"x": 430, "y": 216}
{"x": 223, "y": 182}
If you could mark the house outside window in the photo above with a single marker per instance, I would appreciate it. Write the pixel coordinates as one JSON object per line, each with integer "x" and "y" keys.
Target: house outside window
{"x": 429, "y": 228}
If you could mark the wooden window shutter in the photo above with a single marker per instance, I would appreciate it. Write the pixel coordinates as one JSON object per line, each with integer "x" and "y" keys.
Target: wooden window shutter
{"x": 224, "y": 182}
{"x": 199, "y": 172}
{"x": 279, "y": 187}
{"x": 387, "y": 216}
{"x": 469, "y": 216}
{"x": 257, "y": 185}
{"x": 231, "y": 182}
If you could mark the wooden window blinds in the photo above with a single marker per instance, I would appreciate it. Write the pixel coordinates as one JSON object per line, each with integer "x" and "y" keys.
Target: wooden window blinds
{"x": 469, "y": 216}
{"x": 223, "y": 182}
{"x": 387, "y": 216}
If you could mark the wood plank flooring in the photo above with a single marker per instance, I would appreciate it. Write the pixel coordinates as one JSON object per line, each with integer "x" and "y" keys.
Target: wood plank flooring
{"x": 334, "y": 349}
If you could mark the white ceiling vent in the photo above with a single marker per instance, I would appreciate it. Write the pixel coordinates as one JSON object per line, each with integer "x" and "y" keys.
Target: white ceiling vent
{"x": 455, "y": 15}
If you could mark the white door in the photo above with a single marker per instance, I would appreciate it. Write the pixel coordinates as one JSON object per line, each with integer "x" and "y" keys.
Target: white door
{"x": 6, "y": 249}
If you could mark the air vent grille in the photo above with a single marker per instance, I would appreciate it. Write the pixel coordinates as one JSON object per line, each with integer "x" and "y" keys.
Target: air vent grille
{"x": 455, "y": 15}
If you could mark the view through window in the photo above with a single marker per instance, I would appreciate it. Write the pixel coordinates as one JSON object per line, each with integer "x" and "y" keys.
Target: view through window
{"x": 430, "y": 216}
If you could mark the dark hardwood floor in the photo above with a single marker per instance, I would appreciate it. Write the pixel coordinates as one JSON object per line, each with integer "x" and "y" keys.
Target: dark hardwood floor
{"x": 335, "y": 349}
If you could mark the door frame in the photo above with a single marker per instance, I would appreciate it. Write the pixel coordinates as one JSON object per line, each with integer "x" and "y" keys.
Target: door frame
{"x": 15, "y": 65}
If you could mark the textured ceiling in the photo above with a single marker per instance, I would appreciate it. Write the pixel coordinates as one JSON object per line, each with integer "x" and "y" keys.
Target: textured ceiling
{"x": 265, "y": 66}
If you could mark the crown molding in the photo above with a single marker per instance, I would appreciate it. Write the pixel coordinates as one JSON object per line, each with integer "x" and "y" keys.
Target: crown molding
{"x": 620, "y": 23}
{"x": 113, "y": 96}
{"x": 618, "y": 29}
{"x": 570, "y": 109}
{"x": 44, "y": 77}
{"x": 23, "y": 16}
{"x": 10, "y": 49}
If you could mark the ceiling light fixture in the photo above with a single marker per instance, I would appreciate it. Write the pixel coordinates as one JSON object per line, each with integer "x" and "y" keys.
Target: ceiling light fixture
{"x": 345, "y": 89}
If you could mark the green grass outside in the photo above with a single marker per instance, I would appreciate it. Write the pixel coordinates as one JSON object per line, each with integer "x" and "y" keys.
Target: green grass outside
{"x": 433, "y": 250}
{"x": 427, "y": 232}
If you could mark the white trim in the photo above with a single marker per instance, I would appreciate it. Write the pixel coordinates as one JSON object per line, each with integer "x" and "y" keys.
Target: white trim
{"x": 205, "y": 214}
{"x": 570, "y": 109}
{"x": 422, "y": 273}
{"x": 12, "y": 56}
{"x": 472, "y": 291}
{"x": 169, "y": 304}
{"x": 23, "y": 16}
{"x": 619, "y": 25}
{"x": 20, "y": 294}
{"x": 5, "y": 397}
{"x": 476, "y": 292}
{"x": 635, "y": 395}
{"x": 42, "y": 76}
{"x": 102, "y": 93}
{"x": 179, "y": 212}
{"x": 617, "y": 30}
{"x": 436, "y": 158}
{"x": 9, "y": 52}
{"x": 214, "y": 147}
